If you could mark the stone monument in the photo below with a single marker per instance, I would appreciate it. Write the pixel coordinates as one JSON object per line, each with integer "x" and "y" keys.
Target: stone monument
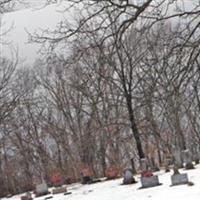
{"x": 128, "y": 177}
{"x": 59, "y": 190}
{"x": 41, "y": 189}
{"x": 178, "y": 161}
{"x": 147, "y": 178}
{"x": 188, "y": 159}
{"x": 86, "y": 175}
{"x": 179, "y": 179}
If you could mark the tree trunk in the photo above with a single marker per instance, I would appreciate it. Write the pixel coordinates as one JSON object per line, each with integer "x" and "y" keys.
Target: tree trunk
{"x": 134, "y": 127}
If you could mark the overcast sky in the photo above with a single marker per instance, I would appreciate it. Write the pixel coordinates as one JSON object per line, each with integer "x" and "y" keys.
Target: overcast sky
{"x": 31, "y": 20}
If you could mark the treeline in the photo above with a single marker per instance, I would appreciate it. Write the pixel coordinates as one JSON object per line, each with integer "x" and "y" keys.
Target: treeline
{"x": 107, "y": 98}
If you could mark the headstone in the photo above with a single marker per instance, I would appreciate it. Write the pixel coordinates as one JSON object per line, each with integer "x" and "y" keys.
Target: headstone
{"x": 86, "y": 176}
{"x": 59, "y": 190}
{"x": 147, "y": 177}
{"x": 195, "y": 153}
{"x": 148, "y": 182}
{"x": 178, "y": 161}
{"x": 179, "y": 179}
{"x": 188, "y": 159}
{"x": 41, "y": 189}
{"x": 128, "y": 177}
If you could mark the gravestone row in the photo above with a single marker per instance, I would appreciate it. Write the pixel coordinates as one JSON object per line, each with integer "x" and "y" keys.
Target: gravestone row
{"x": 148, "y": 179}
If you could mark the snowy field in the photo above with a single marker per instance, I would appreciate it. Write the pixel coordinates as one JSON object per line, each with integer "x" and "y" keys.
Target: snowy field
{"x": 113, "y": 190}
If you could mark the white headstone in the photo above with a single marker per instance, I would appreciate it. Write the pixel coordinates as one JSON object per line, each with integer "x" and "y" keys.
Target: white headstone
{"x": 42, "y": 188}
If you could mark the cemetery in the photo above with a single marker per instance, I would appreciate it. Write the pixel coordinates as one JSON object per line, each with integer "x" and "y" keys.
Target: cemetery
{"x": 143, "y": 184}
{"x": 146, "y": 179}
{"x": 100, "y": 99}
{"x": 113, "y": 189}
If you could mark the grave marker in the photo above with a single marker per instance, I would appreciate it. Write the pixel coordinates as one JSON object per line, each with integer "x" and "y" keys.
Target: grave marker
{"x": 128, "y": 177}
{"x": 179, "y": 179}
{"x": 59, "y": 190}
{"x": 178, "y": 161}
{"x": 147, "y": 178}
{"x": 188, "y": 159}
{"x": 148, "y": 182}
{"x": 86, "y": 176}
{"x": 41, "y": 189}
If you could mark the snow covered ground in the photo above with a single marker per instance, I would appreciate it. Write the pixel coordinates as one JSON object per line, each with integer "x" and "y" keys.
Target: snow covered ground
{"x": 112, "y": 190}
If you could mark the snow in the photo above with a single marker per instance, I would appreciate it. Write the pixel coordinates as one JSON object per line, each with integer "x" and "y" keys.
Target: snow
{"x": 113, "y": 190}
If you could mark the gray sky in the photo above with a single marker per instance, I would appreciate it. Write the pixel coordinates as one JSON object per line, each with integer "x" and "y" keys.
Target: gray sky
{"x": 30, "y": 19}
{"x": 33, "y": 19}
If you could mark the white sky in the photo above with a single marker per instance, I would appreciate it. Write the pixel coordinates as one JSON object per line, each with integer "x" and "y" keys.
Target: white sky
{"x": 31, "y": 20}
